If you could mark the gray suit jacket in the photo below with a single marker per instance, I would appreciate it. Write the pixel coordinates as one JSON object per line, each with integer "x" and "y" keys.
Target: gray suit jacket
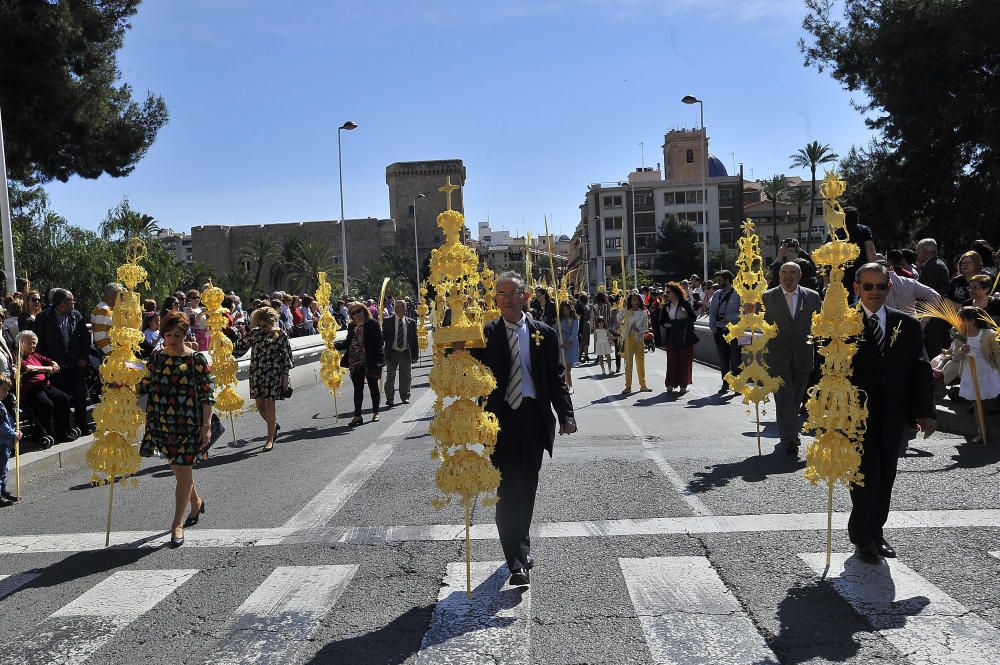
{"x": 790, "y": 351}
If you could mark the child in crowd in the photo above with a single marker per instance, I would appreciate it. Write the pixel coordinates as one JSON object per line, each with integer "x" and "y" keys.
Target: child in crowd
{"x": 980, "y": 343}
{"x": 8, "y": 435}
{"x": 151, "y": 333}
{"x": 603, "y": 347}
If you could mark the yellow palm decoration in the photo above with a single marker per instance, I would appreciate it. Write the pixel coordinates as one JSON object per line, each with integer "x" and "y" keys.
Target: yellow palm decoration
{"x": 113, "y": 455}
{"x": 837, "y": 409}
{"x": 330, "y": 371}
{"x": 220, "y": 348}
{"x": 753, "y": 381}
{"x": 465, "y": 435}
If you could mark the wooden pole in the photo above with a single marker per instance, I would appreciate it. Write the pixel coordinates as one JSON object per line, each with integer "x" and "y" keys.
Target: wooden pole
{"x": 17, "y": 425}
{"x": 111, "y": 501}
{"x": 979, "y": 402}
{"x": 757, "y": 407}
{"x": 829, "y": 522}
{"x": 336, "y": 409}
{"x": 232, "y": 424}
{"x": 468, "y": 556}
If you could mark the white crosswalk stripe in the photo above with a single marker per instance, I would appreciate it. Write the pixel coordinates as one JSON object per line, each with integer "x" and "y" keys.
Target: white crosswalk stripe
{"x": 275, "y": 623}
{"x": 11, "y": 583}
{"x": 923, "y": 622}
{"x": 689, "y": 616}
{"x": 77, "y": 630}
{"x": 491, "y": 627}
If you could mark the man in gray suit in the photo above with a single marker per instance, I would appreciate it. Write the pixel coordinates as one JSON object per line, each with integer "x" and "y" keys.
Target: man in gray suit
{"x": 789, "y": 355}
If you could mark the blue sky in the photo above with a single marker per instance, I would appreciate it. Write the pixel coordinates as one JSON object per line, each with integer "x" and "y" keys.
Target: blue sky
{"x": 539, "y": 98}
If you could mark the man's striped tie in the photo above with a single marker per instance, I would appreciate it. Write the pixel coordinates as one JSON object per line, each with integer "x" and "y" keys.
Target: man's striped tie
{"x": 876, "y": 332}
{"x": 514, "y": 380}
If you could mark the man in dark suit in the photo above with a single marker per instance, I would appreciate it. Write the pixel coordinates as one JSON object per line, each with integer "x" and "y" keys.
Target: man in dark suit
{"x": 524, "y": 356}
{"x": 401, "y": 350}
{"x": 891, "y": 368}
{"x": 789, "y": 354}
{"x": 63, "y": 337}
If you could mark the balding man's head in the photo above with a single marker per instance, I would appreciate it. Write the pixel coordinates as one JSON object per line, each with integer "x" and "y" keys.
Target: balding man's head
{"x": 789, "y": 275}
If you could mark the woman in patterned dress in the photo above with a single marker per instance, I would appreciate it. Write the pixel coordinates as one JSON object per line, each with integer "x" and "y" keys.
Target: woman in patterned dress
{"x": 270, "y": 363}
{"x": 178, "y": 415}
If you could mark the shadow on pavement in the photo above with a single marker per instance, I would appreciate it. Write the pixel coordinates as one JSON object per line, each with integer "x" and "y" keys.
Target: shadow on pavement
{"x": 392, "y": 644}
{"x": 662, "y": 398}
{"x": 712, "y": 400}
{"x": 816, "y": 624}
{"x": 753, "y": 469}
{"x": 967, "y": 456}
{"x": 84, "y": 564}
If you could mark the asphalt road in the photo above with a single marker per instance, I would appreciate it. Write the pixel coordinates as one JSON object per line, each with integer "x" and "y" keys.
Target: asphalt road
{"x": 661, "y": 537}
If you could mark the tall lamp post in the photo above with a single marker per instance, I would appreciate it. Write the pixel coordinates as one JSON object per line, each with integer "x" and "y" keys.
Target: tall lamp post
{"x": 350, "y": 124}
{"x": 635, "y": 246}
{"x": 416, "y": 247}
{"x": 691, "y": 99}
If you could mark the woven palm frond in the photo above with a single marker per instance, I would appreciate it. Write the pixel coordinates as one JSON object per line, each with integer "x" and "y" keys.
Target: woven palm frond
{"x": 943, "y": 309}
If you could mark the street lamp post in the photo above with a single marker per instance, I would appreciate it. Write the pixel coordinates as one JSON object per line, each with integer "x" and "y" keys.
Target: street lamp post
{"x": 416, "y": 247}
{"x": 691, "y": 99}
{"x": 350, "y": 124}
{"x": 8, "y": 236}
{"x": 635, "y": 246}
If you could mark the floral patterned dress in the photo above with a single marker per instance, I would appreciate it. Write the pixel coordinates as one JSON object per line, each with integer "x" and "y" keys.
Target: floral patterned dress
{"x": 177, "y": 387}
{"x": 270, "y": 361}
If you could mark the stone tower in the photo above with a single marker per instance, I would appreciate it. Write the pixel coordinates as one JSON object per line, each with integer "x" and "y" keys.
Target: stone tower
{"x": 408, "y": 179}
{"x": 683, "y": 150}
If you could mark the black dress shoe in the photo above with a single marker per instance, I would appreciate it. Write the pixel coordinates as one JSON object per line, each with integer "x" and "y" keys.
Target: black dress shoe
{"x": 885, "y": 549}
{"x": 529, "y": 562}
{"x": 193, "y": 519}
{"x": 868, "y": 553}
{"x": 520, "y": 577}
{"x": 10, "y": 497}
{"x": 389, "y": 404}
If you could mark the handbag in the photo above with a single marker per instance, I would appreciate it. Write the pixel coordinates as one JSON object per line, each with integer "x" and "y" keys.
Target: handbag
{"x": 215, "y": 423}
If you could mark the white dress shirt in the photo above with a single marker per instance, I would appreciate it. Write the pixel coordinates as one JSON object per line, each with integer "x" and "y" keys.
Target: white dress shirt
{"x": 524, "y": 351}
{"x": 879, "y": 316}
{"x": 792, "y": 299}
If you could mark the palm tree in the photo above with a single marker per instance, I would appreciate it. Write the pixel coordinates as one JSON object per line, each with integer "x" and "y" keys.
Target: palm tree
{"x": 238, "y": 280}
{"x": 286, "y": 257}
{"x": 810, "y": 157}
{"x": 773, "y": 187}
{"x": 258, "y": 250}
{"x": 125, "y": 223}
{"x": 197, "y": 275}
{"x": 798, "y": 196}
{"x": 312, "y": 257}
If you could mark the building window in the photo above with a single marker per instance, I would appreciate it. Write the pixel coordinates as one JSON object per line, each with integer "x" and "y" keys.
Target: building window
{"x": 644, "y": 199}
{"x": 613, "y": 243}
{"x": 612, "y": 223}
{"x": 692, "y": 217}
{"x": 690, "y": 156}
{"x": 613, "y": 201}
{"x": 725, "y": 195}
{"x": 645, "y": 221}
{"x": 693, "y": 196}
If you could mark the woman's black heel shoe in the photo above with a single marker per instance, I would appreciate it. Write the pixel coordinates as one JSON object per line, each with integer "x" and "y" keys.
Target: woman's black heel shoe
{"x": 175, "y": 542}
{"x": 193, "y": 519}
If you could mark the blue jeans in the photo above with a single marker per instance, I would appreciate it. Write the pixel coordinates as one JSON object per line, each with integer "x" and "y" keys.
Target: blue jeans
{"x": 6, "y": 452}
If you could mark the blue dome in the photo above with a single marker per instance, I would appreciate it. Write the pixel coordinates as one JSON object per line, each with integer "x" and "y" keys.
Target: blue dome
{"x": 715, "y": 167}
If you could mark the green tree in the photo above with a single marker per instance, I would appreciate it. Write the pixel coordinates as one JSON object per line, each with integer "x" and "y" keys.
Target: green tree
{"x": 195, "y": 276}
{"x": 124, "y": 223}
{"x": 290, "y": 246}
{"x": 799, "y": 196}
{"x": 312, "y": 257}
{"x": 678, "y": 250}
{"x": 237, "y": 279}
{"x": 927, "y": 72}
{"x": 773, "y": 187}
{"x": 810, "y": 157}
{"x": 258, "y": 251}
{"x": 65, "y": 110}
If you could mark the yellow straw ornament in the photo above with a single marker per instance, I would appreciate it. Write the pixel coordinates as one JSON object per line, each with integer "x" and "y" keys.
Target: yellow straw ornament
{"x": 465, "y": 435}
{"x": 837, "y": 409}
{"x": 753, "y": 381}
{"x": 220, "y": 348}
{"x": 113, "y": 455}
{"x": 331, "y": 372}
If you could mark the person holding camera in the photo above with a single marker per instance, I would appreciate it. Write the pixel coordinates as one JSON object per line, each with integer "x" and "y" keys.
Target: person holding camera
{"x": 270, "y": 363}
{"x": 790, "y": 250}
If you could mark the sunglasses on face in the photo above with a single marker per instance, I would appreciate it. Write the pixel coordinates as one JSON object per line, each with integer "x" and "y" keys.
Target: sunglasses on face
{"x": 867, "y": 286}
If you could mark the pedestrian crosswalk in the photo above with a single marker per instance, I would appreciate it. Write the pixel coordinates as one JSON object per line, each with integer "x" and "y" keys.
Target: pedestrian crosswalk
{"x": 683, "y": 607}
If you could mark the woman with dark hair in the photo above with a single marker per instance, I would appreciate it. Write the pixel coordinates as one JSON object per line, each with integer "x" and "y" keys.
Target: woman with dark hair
{"x": 270, "y": 363}
{"x": 543, "y": 308}
{"x": 365, "y": 358}
{"x": 178, "y": 416}
{"x": 569, "y": 326}
{"x": 677, "y": 323}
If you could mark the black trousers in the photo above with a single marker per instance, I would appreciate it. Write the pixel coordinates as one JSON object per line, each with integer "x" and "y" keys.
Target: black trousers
{"x": 358, "y": 378}
{"x": 870, "y": 504}
{"x": 72, "y": 381}
{"x": 518, "y": 456}
{"x": 730, "y": 355}
{"x": 50, "y": 407}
